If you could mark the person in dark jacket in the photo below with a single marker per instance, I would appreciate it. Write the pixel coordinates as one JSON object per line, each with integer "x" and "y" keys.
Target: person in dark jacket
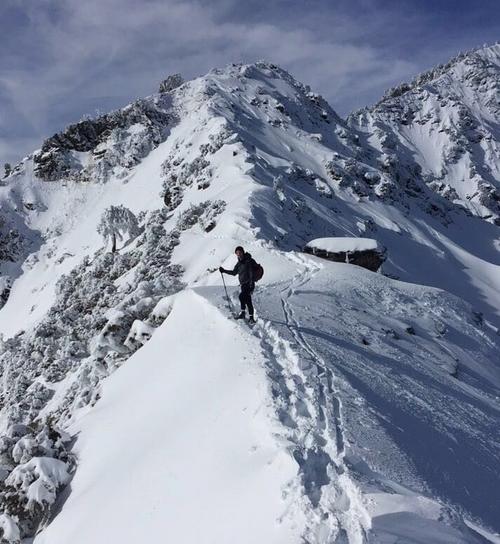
{"x": 244, "y": 269}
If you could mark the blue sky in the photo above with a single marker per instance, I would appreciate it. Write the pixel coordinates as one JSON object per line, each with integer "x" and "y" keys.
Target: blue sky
{"x": 61, "y": 59}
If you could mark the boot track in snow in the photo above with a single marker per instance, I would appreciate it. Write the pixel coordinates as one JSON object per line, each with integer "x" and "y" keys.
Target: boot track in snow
{"x": 308, "y": 407}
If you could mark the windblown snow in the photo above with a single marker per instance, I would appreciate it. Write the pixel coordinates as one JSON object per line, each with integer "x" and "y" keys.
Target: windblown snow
{"x": 362, "y": 406}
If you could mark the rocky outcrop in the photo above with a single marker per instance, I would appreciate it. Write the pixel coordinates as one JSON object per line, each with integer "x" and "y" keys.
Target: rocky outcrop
{"x": 170, "y": 83}
{"x": 364, "y": 252}
{"x": 130, "y": 133}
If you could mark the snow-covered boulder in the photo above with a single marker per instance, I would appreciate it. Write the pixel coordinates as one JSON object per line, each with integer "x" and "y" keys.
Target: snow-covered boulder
{"x": 365, "y": 252}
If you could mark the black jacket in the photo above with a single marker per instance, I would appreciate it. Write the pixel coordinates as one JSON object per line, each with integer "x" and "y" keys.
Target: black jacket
{"x": 244, "y": 269}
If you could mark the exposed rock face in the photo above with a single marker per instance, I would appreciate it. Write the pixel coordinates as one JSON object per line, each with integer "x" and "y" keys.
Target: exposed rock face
{"x": 92, "y": 148}
{"x": 10, "y": 243}
{"x": 11, "y": 248}
{"x": 170, "y": 83}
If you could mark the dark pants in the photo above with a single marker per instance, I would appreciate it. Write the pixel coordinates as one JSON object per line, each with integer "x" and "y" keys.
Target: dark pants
{"x": 246, "y": 298}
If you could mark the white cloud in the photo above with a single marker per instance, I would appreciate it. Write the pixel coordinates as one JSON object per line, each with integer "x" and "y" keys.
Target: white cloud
{"x": 99, "y": 53}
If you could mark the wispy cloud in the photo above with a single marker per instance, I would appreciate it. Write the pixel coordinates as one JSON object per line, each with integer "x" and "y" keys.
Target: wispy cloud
{"x": 63, "y": 58}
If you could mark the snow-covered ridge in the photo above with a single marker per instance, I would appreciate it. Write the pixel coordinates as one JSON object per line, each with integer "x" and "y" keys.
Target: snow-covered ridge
{"x": 481, "y": 56}
{"x": 246, "y": 155}
{"x": 446, "y": 126}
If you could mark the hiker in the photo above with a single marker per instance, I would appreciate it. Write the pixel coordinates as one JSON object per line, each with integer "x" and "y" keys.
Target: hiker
{"x": 244, "y": 268}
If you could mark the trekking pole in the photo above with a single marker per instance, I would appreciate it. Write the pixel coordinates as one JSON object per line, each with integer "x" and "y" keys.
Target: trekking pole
{"x": 227, "y": 295}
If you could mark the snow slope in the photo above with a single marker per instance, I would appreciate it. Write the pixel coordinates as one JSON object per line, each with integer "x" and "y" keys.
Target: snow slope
{"x": 184, "y": 445}
{"x": 373, "y": 403}
{"x": 347, "y": 415}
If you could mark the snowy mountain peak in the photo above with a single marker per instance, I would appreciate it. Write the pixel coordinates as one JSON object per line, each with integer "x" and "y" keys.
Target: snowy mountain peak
{"x": 472, "y": 66}
{"x": 342, "y": 405}
{"x": 446, "y": 125}
{"x": 96, "y": 148}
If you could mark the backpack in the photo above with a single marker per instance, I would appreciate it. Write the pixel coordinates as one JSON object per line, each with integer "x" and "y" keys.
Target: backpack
{"x": 258, "y": 271}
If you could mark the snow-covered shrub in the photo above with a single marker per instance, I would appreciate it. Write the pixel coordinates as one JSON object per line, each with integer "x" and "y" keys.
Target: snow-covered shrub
{"x": 61, "y": 342}
{"x": 11, "y": 242}
{"x": 39, "y": 464}
{"x": 203, "y": 214}
{"x": 216, "y": 141}
{"x": 139, "y": 334}
{"x": 103, "y": 311}
{"x": 387, "y": 190}
{"x": 162, "y": 310}
{"x": 453, "y": 152}
{"x": 115, "y": 223}
{"x": 113, "y": 334}
{"x": 360, "y": 189}
{"x": 196, "y": 170}
{"x": 179, "y": 173}
{"x": 9, "y": 531}
{"x": 297, "y": 175}
{"x": 444, "y": 189}
{"x": 371, "y": 177}
{"x": 178, "y": 176}
{"x": 333, "y": 170}
{"x": 172, "y": 196}
{"x": 388, "y": 161}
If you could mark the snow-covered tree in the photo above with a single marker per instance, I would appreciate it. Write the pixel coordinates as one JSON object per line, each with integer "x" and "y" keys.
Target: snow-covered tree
{"x": 115, "y": 223}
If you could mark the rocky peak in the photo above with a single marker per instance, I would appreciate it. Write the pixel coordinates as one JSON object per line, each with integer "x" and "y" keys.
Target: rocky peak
{"x": 446, "y": 123}
{"x": 172, "y": 82}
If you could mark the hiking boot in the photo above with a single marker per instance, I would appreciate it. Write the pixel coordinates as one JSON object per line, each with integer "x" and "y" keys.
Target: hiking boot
{"x": 251, "y": 319}
{"x": 241, "y": 315}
